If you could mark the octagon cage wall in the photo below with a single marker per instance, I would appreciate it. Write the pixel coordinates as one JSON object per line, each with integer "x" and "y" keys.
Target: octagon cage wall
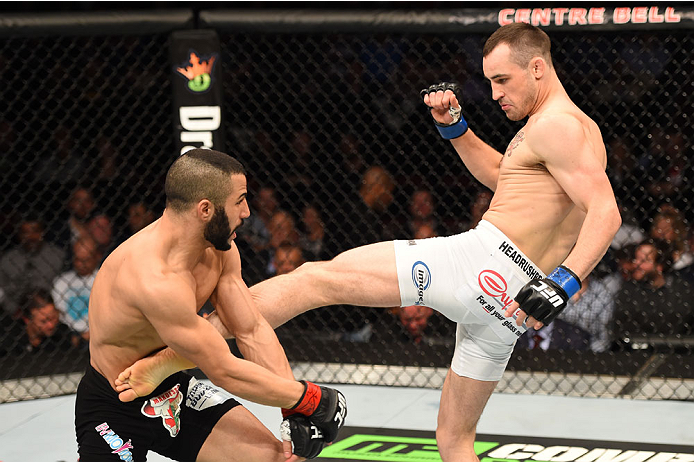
{"x": 325, "y": 114}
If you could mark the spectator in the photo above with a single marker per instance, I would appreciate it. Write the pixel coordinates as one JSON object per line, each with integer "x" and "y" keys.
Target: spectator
{"x": 254, "y": 230}
{"x": 666, "y": 163}
{"x": 254, "y": 235}
{"x": 39, "y": 329}
{"x": 288, "y": 257}
{"x": 479, "y": 206}
{"x": 624, "y": 259}
{"x": 621, "y": 163}
{"x": 629, "y": 233}
{"x": 558, "y": 335}
{"x": 283, "y": 231}
{"x": 369, "y": 216}
{"x": 647, "y": 304}
{"x": 34, "y": 262}
{"x": 80, "y": 207}
{"x": 669, "y": 225}
{"x": 414, "y": 324}
{"x": 350, "y": 152}
{"x": 424, "y": 231}
{"x": 592, "y": 309}
{"x": 139, "y": 216}
{"x": 71, "y": 289}
{"x": 300, "y": 165}
{"x": 100, "y": 229}
{"x": 415, "y": 319}
{"x": 312, "y": 238}
{"x": 687, "y": 273}
{"x": 422, "y": 212}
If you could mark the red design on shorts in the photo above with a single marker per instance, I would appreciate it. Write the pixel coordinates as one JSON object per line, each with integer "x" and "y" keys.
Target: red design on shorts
{"x": 494, "y": 285}
{"x": 168, "y": 407}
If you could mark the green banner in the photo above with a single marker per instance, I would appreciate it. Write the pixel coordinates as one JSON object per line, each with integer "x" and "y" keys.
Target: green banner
{"x": 391, "y": 449}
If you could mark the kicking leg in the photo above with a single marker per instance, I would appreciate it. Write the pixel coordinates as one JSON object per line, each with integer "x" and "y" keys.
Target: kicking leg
{"x": 363, "y": 276}
{"x": 462, "y": 402}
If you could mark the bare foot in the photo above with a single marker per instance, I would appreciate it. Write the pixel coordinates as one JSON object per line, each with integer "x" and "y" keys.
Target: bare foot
{"x": 142, "y": 378}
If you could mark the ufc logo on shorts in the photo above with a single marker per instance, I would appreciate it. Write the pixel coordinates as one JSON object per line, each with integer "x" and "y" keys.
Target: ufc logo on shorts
{"x": 547, "y": 292}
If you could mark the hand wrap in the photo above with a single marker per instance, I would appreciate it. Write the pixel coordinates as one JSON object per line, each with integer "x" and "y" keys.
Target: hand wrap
{"x": 325, "y": 407}
{"x": 459, "y": 126}
{"x": 544, "y": 299}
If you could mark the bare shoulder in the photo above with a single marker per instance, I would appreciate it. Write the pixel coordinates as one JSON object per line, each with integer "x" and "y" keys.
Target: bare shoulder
{"x": 551, "y": 125}
{"x": 142, "y": 276}
{"x": 561, "y": 132}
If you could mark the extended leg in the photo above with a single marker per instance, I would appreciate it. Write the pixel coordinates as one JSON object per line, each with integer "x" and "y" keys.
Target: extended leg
{"x": 364, "y": 276}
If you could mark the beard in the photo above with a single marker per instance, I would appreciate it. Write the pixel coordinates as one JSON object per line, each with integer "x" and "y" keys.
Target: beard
{"x": 218, "y": 231}
{"x": 523, "y": 108}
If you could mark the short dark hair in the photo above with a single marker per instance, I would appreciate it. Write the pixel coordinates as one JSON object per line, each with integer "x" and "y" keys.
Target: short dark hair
{"x": 200, "y": 174}
{"x": 34, "y": 298}
{"x": 526, "y": 42}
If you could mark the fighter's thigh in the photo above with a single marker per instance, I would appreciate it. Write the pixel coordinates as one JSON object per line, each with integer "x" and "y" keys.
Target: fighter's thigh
{"x": 240, "y": 436}
{"x": 112, "y": 439}
{"x": 365, "y": 276}
{"x": 462, "y": 402}
{"x": 428, "y": 274}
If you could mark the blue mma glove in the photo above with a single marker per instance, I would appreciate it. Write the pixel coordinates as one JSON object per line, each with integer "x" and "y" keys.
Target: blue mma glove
{"x": 544, "y": 299}
{"x": 459, "y": 126}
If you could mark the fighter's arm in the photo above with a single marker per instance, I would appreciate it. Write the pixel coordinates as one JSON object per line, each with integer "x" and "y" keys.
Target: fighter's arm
{"x": 479, "y": 158}
{"x": 561, "y": 144}
{"x": 169, "y": 305}
{"x": 237, "y": 312}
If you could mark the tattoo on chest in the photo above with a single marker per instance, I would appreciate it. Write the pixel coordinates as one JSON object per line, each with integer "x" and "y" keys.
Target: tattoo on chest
{"x": 520, "y": 136}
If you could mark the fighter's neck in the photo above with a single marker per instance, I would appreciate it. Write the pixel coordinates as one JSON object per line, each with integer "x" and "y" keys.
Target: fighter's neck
{"x": 182, "y": 242}
{"x": 550, "y": 95}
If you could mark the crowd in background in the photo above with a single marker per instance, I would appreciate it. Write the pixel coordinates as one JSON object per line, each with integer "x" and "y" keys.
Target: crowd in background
{"x": 339, "y": 153}
{"x": 639, "y": 295}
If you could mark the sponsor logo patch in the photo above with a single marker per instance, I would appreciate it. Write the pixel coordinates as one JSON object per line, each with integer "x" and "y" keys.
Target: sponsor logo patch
{"x": 421, "y": 277}
{"x": 115, "y": 442}
{"x": 198, "y": 72}
{"x": 494, "y": 285}
{"x": 202, "y": 396}
{"x": 168, "y": 407}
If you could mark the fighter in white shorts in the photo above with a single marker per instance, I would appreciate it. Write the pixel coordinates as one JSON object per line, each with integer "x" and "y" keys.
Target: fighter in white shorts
{"x": 552, "y": 199}
{"x": 471, "y": 278}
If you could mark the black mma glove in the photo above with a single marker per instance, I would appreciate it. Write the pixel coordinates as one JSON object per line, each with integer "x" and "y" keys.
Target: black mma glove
{"x": 307, "y": 439}
{"x": 544, "y": 299}
{"x": 459, "y": 126}
{"x": 325, "y": 407}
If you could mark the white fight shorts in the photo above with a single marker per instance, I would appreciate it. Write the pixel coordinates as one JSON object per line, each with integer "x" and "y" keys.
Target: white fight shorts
{"x": 470, "y": 278}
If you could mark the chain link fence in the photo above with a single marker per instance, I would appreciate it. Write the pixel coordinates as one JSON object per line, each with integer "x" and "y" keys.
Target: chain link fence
{"x": 341, "y": 152}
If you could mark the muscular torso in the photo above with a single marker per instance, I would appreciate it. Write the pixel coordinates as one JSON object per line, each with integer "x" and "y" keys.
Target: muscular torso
{"x": 120, "y": 334}
{"x": 530, "y": 207}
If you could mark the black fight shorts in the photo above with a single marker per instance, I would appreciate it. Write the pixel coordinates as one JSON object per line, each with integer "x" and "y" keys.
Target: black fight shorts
{"x": 174, "y": 421}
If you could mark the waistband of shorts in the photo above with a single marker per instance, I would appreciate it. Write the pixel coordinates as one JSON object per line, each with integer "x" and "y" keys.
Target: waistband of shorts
{"x": 511, "y": 250}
